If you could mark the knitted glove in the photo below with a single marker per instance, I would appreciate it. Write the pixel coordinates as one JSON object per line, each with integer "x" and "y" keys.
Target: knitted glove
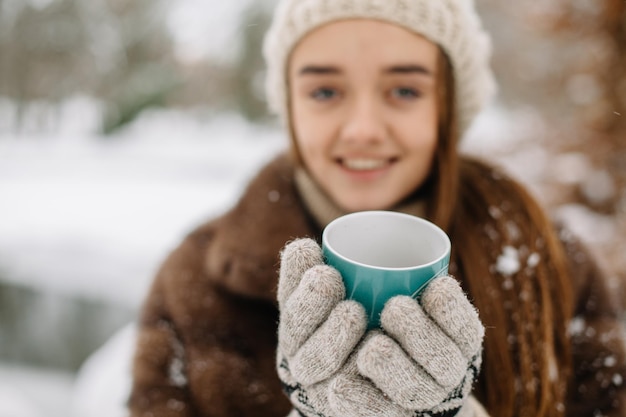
{"x": 423, "y": 364}
{"x": 318, "y": 329}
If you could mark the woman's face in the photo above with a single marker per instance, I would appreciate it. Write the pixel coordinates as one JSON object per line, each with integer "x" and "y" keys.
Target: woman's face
{"x": 363, "y": 108}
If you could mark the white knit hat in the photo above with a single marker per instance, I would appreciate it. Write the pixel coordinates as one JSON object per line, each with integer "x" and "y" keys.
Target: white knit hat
{"x": 452, "y": 24}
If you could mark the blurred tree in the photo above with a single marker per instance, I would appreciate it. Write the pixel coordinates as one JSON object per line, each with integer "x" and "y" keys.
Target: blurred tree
{"x": 565, "y": 61}
{"x": 249, "y": 73}
{"x": 41, "y": 52}
{"x": 116, "y": 50}
{"x": 595, "y": 81}
{"x": 232, "y": 84}
{"x": 145, "y": 72}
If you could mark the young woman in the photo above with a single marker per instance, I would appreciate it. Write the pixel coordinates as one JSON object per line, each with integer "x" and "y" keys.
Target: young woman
{"x": 375, "y": 96}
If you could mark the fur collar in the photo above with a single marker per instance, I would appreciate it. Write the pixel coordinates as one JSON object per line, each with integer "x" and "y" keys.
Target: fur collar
{"x": 243, "y": 254}
{"x": 277, "y": 207}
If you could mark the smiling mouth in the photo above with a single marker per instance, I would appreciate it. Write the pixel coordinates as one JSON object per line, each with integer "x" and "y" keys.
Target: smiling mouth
{"x": 366, "y": 164}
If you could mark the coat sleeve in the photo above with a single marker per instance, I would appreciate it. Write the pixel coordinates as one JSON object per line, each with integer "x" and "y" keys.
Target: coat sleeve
{"x": 160, "y": 384}
{"x": 598, "y": 384}
{"x": 202, "y": 350}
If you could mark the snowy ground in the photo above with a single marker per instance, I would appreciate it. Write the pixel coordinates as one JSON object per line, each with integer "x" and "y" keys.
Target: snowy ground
{"x": 29, "y": 392}
{"x": 86, "y": 215}
{"x": 92, "y": 217}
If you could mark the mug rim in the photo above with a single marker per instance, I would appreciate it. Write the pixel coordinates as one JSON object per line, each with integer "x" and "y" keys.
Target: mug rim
{"x": 446, "y": 239}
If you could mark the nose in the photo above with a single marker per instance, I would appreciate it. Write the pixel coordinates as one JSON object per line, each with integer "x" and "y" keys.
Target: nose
{"x": 364, "y": 123}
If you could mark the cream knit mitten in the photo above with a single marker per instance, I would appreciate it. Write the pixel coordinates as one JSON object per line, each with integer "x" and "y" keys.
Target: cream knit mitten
{"x": 422, "y": 362}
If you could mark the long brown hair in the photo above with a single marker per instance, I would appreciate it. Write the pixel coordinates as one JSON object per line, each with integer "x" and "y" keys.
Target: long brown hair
{"x": 489, "y": 216}
{"x": 509, "y": 258}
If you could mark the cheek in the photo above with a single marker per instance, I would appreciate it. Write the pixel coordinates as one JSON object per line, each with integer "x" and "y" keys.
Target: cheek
{"x": 300, "y": 129}
{"x": 304, "y": 137}
{"x": 312, "y": 135}
{"x": 418, "y": 134}
{"x": 428, "y": 127}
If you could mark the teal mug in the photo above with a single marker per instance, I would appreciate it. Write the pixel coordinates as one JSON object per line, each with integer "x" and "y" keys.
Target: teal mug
{"x": 381, "y": 254}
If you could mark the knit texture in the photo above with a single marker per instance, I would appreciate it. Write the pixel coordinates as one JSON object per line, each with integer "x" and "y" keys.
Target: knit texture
{"x": 452, "y": 24}
{"x": 421, "y": 364}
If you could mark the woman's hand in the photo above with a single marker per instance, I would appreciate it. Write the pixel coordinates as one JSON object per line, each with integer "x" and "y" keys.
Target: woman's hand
{"x": 318, "y": 329}
{"x": 422, "y": 363}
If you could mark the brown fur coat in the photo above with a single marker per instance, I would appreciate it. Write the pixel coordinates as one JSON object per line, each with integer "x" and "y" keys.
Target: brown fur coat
{"x": 207, "y": 339}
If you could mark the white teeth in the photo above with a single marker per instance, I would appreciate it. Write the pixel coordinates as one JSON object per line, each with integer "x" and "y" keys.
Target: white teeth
{"x": 364, "y": 164}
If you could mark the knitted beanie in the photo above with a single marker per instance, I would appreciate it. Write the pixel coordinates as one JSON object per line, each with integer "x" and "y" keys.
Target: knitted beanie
{"x": 452, "y": 24}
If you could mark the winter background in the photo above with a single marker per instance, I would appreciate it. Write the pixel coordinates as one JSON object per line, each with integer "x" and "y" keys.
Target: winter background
{"x": 113, "y": 147}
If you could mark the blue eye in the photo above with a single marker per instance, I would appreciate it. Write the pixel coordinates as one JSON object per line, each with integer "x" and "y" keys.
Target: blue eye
{"x": 324, "y": 94}
{"x": 406, "y": 93}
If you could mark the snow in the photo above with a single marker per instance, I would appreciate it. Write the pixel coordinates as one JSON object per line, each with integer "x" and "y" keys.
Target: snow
{"x": 610, "y": 361}
{"x": 533, "y": 260}
{"x": 193, "y": 25}
{"x": 583, "y": 89}
{"x": 508, "y": 263}
{"x": 92, "y": 217}
{"x": 593, "y": 227}
{"x": 599, "y": 187}
{"x": 82, "y": 214}
{"x": 498, "y": 129}
{"x": 570, "y": 168}
{"x": 103, "y": 383}
{"x": 29, "y": 392}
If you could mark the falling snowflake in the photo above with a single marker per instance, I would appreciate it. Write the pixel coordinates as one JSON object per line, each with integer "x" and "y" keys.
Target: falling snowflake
{"x": 533, "y": 260}
{"x": 610, "y": 361}
{"x": 576, "y": 326}
{"x": 508, "y": 262}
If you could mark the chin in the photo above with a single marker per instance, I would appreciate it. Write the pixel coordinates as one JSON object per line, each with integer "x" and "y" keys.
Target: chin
{"x": 364, "y": 205}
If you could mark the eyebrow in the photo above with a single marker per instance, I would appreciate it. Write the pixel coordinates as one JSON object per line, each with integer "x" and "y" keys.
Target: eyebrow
{"x": 409, "y": 69}
{"x": 319, "y": 70}
{"x": 396, "y": 69}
